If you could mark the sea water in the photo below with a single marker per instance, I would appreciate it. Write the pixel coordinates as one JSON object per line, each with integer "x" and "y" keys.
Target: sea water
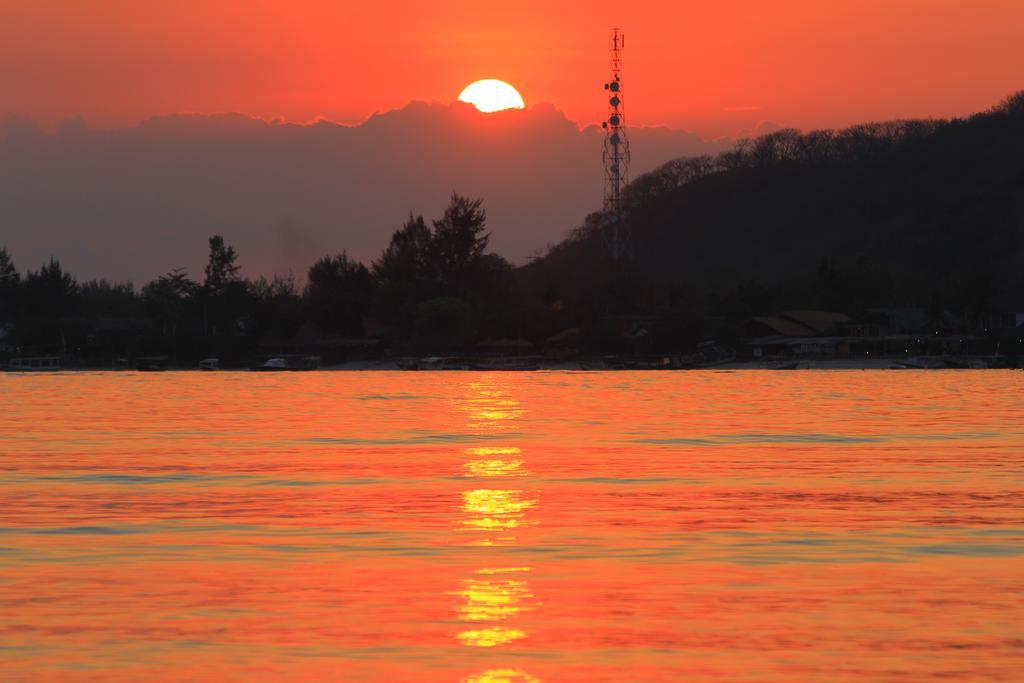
{"x": 548, "y": 526}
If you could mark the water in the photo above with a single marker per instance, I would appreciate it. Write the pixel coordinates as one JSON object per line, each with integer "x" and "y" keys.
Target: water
{"x": 733, "y": 526}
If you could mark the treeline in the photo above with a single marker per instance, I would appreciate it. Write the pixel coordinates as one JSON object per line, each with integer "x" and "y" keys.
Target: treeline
{"x": 856, "y": 145}
{"x": 905, "y": 214}
{"x": 433, "y": 287}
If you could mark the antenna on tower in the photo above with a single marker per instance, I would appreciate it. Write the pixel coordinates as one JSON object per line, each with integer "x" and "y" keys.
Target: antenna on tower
{"x": 616, "y": 151}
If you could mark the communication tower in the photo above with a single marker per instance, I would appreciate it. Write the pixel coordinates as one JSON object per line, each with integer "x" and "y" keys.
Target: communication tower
{"x": 616, "y": 150}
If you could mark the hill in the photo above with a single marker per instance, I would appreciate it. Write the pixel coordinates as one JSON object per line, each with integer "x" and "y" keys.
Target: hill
{"x": 906, "y": 213}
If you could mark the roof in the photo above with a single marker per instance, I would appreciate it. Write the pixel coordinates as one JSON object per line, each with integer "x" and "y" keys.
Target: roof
{"x": 783, "y": 327}
{"x": 819, "y": 321}
{"x": 801, "y": 323}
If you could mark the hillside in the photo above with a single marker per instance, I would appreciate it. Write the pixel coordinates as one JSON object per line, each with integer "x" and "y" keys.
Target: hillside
{"x": 908, "y": 213}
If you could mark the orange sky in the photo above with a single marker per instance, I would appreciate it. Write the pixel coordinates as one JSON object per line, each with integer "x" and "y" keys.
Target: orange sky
{"x": 713, "y": 67}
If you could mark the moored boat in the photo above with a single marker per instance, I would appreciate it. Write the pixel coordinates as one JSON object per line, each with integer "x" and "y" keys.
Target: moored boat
{"x": 151, "y": 364}
{"x": 33, "y": 364}
{"x": 434, "y": 363}
{"x": 601, "y": 363}
{"x": 288, "y": 364}
{"x": 506, "y": 364}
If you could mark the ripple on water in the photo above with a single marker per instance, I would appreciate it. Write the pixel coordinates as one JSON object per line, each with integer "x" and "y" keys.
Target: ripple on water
{"x": 512, "y": 526}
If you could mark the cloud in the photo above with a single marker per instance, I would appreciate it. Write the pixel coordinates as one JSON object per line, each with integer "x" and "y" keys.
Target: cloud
{"x": 135, "y": 202}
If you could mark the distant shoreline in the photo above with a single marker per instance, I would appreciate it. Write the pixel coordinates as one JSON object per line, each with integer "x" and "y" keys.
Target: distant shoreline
{"x": 392, "y": 366}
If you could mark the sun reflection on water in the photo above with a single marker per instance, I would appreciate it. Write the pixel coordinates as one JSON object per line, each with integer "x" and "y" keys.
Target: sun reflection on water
{"x": 490, "y": 637}
{"x": 494, "y": 596}
{"x": 495, "y": 508}
{"x": 490, "y": 407}
{"x": 490, "y": 461}
{"x": 503, "y": 676}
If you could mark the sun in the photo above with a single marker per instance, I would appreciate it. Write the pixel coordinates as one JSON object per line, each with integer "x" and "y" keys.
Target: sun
{"x": 490, "y": 95}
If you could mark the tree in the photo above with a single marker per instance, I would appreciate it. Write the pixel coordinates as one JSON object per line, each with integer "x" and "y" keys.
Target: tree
{"x": 9, "y": 281}
{"x": 8, "y": 273}
{"x": 338, "y": 293}
{"x": 166, "y": 299}
{"x": 277, "y": 309}
{"x": 221, "y": 268}
{"x": 407, "y": 258}
{"x": 459, "y": 241}
{"x": 102, "y": 298}
{"x": 406, "y": 274}
{"x": 50, "y": 291}
{"x": 442, "y": 322}
{"x": 226, "y": 297}
{"x": 48, "y": 297}
{"x": 1012, "y": 105}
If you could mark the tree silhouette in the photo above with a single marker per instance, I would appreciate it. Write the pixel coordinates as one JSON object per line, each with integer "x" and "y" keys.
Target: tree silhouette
{"x": 100, "y": 298}
{"x": 50, "y": 291}
{"x": 9, "y": 281}
{"x": 338, "y": 293}
{"x": 166, "y": 299}
{"x": 442, "y": 322}
{"x": 459, "y": 241}
{"x": 277, "y": 310}
{"x": 225, "y": 295}
{"x": 49, "y": 298}
{"x": 221, "y": 268}
{"x": 408, "y": 256}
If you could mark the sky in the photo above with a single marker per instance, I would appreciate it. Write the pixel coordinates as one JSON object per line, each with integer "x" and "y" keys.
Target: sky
{"x": 711, "y": 67}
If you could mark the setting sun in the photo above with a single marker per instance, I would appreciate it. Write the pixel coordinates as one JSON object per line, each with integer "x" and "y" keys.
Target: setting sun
{"x": 491, "y": 95}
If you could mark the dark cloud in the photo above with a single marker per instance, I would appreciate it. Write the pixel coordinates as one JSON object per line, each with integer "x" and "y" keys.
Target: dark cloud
{"x": 134, "y": 202}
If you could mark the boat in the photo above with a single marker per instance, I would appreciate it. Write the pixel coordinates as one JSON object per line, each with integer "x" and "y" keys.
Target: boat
{"x": 151, "y": 364}
{"x": 289, "y": 364}
{"x": 654, "y": 363}
{"x": 506, "y": 364}
{"x": 33, "y": 364}
{"x": 434, "y": 363}
{"x": 601, "y": 363}
{"x": 924, "y": 363}
{"x": 209, "y": 364}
